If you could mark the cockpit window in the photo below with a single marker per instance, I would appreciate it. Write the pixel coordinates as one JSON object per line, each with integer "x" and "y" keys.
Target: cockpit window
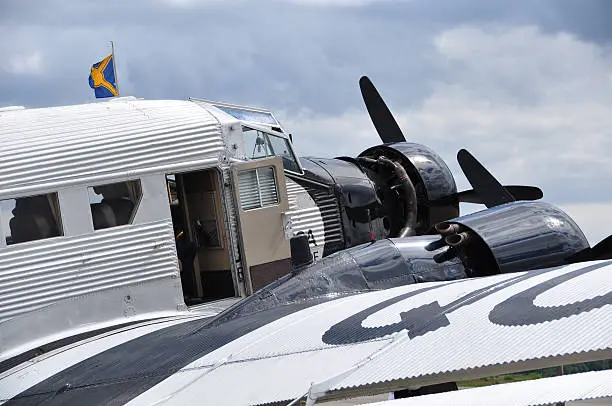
{"x": 259, "y": 144}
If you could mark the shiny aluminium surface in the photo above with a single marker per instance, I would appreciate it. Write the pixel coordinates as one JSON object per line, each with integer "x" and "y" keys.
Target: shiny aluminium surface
{"x": 360, "y": 207}
{"x": 526, "y": 235}
{"x": 70, "y": 282}
{"x": 338, "y": 169}
{"x": 435, "y": 174}
{"x": 433, "y": 181}
{"x": 314, "y": 212}
{"x": 48, "y": 148}
{"x": 89, "y": 277}
{"x": 315, "y": 172}
{"x": 379, "y": 265}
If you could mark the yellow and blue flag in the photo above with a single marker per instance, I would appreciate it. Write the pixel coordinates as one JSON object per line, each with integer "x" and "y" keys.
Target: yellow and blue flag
{"x": 102, "y": 78}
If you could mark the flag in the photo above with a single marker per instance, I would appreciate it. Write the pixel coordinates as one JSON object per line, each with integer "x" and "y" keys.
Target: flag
{"x": 102, "y": 78}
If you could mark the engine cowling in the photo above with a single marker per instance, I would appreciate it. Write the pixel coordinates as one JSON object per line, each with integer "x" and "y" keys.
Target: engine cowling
{"x": 517, "y": 236}
{"x": 433, "y": 182}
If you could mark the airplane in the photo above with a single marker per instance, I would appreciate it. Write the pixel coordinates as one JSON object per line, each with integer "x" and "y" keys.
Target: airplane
{"x": 97, "y": 202}
{"x": 337, "y": 203}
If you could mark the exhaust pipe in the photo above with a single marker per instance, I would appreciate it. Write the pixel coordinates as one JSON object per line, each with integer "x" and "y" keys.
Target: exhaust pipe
{"x": 447, "y": 255}
{"x": 435, "y": 245}
{"x": 406, "y": 190}
{"x": 448, "y": 228}
{"x": 457, "y": 240}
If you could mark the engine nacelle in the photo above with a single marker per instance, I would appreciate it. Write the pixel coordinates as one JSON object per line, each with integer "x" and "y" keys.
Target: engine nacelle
{"x": 514, "y": 237}
{"x": 432, "y": 179}
{"x": 517, "y": 236}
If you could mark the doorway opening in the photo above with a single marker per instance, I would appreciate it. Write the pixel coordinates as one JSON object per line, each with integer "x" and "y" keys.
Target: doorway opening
{"x": 200, "y": 236}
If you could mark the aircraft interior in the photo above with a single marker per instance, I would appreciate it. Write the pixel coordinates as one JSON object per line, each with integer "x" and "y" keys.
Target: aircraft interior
{"x": 200, "y": 235}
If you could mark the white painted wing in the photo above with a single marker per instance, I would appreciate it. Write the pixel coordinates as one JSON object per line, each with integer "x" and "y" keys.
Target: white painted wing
{"x": 547, "y": 391}
{"x": 408, "y": 336}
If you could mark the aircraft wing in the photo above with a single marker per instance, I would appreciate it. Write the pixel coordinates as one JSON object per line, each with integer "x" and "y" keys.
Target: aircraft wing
{"x": 595, "y": 386}
{"x": 407, "y": 336}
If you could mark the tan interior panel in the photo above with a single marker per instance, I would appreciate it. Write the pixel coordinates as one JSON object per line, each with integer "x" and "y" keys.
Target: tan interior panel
{"x": 200, "y": 201}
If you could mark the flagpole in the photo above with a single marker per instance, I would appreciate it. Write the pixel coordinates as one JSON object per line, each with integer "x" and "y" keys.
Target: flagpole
{"x": 115, "y": 67}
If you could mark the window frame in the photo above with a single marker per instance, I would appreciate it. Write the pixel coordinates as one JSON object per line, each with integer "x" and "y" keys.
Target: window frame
{"x": 113, "y": 182}
{"x": 59, "y": 223}
{"x": 269, "y": 132}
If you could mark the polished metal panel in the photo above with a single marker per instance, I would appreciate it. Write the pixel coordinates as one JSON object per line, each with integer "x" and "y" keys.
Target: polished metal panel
{"x": 306, "y": 217}
{"x": 313, "y": 171}
{"x": 379, "y": 265}
{"x": 339, "y": 169}
{"x": 526, "y": 235}
{"x": 400, "y": 261}
{"x": 356, "y": 194}
{"x": 49, "y": 148}
{"x": 314, "y": 211}
{"x": 39, "y": 273}
{"x": 432, "y": 169}
{"x": 432, "y": 179}
{"x": 418, "y": 256}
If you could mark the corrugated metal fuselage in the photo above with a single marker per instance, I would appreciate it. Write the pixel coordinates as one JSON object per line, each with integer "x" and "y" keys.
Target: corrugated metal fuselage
{"x": 87, "y": 277}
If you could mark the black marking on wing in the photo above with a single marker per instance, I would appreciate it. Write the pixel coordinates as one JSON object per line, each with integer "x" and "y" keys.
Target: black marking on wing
{"x": 517, "y": 310}
{"x": 520, "y": 310}
{"x": 119, "y": 374}
{"x": 63, "y": 342}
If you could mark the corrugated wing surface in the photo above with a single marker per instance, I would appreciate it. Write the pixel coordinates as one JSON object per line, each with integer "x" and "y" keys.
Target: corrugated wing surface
{"x": 39, "y": 273}
{"x": 418, "y": 334}
{"x": 548, "y": 391}
{"x": 502, "y": 328}
{"x": 16, "y": 380}
{"x": 56, "y": 146}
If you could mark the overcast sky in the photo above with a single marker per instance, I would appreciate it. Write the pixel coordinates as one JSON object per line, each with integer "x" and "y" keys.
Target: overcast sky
{"x": 525, "y": 85}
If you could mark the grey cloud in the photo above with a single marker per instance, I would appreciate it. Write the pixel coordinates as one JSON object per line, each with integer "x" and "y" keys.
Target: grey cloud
{"x": 272, "y": 53}
{"x": 305, "y": 62}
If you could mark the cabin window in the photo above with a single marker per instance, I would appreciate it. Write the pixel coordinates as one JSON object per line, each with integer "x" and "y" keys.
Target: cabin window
{"x": 259, "y": 144}
{"x": 257, "y": 188}
{"x": 31, "y": 218}
{"x": 114, "y": 204}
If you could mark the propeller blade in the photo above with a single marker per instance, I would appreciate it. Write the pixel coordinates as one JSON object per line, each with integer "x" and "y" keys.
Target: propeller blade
{"x": 517, "y": 191}
{"x": 490, "y": 191}
{"x": 603, "y": 250}
{"x": 471, "y": 196}
{"x": 381, "y": 116}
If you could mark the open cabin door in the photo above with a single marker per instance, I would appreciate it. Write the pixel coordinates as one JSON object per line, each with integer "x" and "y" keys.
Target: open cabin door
{"x": 261, "y": 194}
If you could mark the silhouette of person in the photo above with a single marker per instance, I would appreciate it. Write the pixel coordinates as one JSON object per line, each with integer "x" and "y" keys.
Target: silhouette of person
{"x": 186, "y": 252}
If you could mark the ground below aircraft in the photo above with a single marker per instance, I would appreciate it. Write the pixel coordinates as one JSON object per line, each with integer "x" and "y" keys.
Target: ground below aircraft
{"x": 94, "y": 199}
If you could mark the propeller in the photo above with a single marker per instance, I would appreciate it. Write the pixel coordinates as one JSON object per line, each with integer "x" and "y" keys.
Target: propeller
{"x": 519, "y": 192}
{"x": 486, "y": 189}
{"x": 485, "y": 185}
{"x": 381, "y": 116}
{"x": 602, "y": 250}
